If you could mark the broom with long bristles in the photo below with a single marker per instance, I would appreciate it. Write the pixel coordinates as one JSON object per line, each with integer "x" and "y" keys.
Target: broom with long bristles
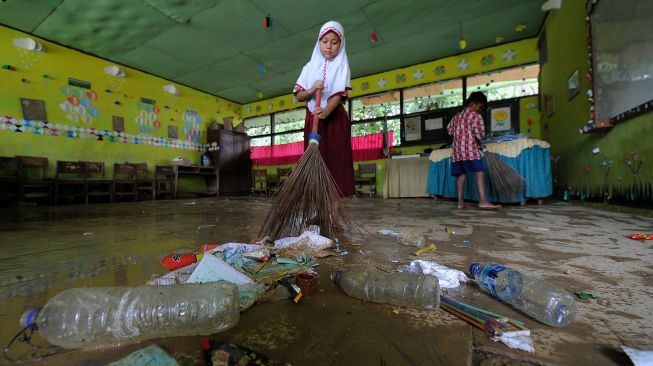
{"x": 505, "y": 181}
{"x": 309, "y": 196}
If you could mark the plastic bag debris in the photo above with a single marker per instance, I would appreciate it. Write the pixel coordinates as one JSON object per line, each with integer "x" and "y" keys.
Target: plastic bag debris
{"x": 151, "y": 355}
{"x": 212, "y": 268}
{"x": 639, "y": 357}
{"x": 388, "y": 232}
{"x": 516, "y": 340}
{"x": 449, "y": 278}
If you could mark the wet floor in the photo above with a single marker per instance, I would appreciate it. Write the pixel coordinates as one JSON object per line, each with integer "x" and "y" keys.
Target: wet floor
{"x": 48, "y": 249}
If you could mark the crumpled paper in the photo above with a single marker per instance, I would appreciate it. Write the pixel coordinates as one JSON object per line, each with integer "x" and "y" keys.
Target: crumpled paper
{"x": 516, "y": 340}
{"x": 639, "y": 357}
{"x": 449, "y": 278}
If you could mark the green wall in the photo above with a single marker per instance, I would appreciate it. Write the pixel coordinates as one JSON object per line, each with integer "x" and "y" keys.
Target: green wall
{"x": 575, "y": 166}
{"x": 45, "y": 76}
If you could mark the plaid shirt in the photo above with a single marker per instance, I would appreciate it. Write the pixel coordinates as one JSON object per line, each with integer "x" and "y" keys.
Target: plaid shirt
{"x": 466, "y": 128}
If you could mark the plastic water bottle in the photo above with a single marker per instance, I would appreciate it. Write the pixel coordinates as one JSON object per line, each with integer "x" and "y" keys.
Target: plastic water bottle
{"x": 106, "y": 316}
{"x": 538, "y": 299}
{"x": 401, "y": 288}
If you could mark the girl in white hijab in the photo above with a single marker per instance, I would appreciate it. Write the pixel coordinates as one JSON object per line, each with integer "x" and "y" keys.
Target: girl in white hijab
{"x": 328, "y": 70}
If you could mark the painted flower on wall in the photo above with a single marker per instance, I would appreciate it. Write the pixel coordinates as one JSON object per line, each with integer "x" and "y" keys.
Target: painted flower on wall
{"x": 418, "y": 75}
{"x": 487, "y": 60}
{"x": 381, "y": 83}
{"x": 439, "y": 70}
{"x": 248, "y": 109}
{"x": 282, "y": 103}
{"x": 400, "y": 79}
{"x": 365, "y": 85}
{"x": 293, "y": 101}
{"x": 270, "y": 106}
{"x": 463, "y": 65}
{"x": 509, "y": 55}
{"x": 148, "y": 118}
{"x": 78, "y": 105}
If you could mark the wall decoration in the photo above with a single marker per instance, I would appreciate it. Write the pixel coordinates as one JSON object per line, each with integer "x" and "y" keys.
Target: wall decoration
{"x": 413, "y": 128}
{"x": 9, "y": 123}
{"x": 33, "y": 109}
{"x": 509, "y": 55}
{"x": 148, "y": 117}
{"x": 401, "y": 78}
{"x": 381, "y": 83}
{"x": 433, "y": 124}
{"x": 29, "y": 51}
{"x": 439, "y": 70}
{"x": 573, "y": 84}
{"x": 498, "y": 40}
{"x": 549, "y": 105}
{"x": 520, "y": 28}
{"x": 173, "y": 132}
{"x": 374, "y": 37}
{"x": 365, "y": 85}
{"x": 78, "y": 104}
{"x": 418, "y": 75}
{"x": 192, "y": 129}
{"x": 500, "y": 119}
{"x": 463, "y": 65}
{"x": 487, "y": 60}
{"x": 118, "y": 123}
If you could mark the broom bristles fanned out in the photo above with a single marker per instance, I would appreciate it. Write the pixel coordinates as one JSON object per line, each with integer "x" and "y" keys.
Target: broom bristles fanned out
{"x": 309, "y": 196}
{"x": 505, "y": 181}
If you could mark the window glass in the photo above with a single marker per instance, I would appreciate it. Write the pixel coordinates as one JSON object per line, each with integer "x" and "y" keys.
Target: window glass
{"x": 362, "y": 129}
{"x": 260, "y": 141}
{"x": 290, "y": 120}
{"x": 505, "y": 84}
{"x": 375, "y": 106}
{"x": 257, "y": 126}
{"x": 286, "y": 138}
{"x": 429, "y": 97}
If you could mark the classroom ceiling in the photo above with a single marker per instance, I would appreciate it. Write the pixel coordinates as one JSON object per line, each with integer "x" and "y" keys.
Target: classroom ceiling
{"x": 221, "y": 46}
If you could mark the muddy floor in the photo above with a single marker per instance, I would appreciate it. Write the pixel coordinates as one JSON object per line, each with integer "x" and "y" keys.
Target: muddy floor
{"x": 48, "y": 249}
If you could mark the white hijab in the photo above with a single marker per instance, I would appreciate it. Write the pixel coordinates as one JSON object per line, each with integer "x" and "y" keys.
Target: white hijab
{"x": 335, "y": 72}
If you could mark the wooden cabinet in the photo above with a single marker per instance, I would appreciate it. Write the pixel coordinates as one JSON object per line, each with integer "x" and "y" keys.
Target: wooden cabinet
{"x": 233, "y": 160}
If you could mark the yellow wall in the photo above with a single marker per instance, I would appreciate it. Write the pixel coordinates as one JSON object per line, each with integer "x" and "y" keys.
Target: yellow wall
{"x": 480, "y": 61}
{"x": 59, "y": 64}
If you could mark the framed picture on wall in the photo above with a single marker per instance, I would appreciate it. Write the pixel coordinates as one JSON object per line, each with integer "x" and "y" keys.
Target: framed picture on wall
{"x": 118, "y": 124}
{"x": 33, "y": 109}
{"x": 500, "y": 119}
{"x": 173, "y": 132}
{"x": 413, "y": 128}
{"x": 573, "y": 84}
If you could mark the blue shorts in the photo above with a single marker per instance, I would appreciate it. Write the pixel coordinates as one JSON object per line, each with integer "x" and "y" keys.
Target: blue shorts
{"x": 467, "y": 166}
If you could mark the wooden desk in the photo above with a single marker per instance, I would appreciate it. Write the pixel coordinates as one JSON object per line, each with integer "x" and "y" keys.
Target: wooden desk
{"x": 211, "y": 177}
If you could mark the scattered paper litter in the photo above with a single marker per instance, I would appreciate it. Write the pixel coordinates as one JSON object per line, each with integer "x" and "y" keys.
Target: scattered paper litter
{"x": 388, "y": 232}
{"x": 308, "y": 239}
{"x": 518, "y": 340}
{"x": 212, "y": 268}
{"x": 639, "y": 357}
{"x": 449, "y": 278}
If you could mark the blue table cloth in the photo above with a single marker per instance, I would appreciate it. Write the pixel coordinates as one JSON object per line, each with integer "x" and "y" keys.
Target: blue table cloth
{"x": 529, "y": 157}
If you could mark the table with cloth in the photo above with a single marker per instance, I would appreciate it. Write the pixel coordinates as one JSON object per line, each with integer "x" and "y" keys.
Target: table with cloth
{"x": 529, "y": 157}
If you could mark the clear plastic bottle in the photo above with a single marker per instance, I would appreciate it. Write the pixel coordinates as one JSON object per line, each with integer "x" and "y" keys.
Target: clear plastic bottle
{"x": 538, "y": 299}
{"x": 400, "y": 288}
{"x": 107, "y": 316}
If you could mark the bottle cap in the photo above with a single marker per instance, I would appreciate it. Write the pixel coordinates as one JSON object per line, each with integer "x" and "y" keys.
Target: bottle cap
{"x": 29, "y": 318}
{"x": 335, "y": 277}
{"x": 473, "y": 268}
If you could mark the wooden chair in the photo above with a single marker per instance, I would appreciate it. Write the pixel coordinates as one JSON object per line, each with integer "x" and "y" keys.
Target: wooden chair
{"x": 34, "y": 183}
{"x": 9, "y": 178}
{"x": 96, "y": 184}
{"x": 366, "y": 176}
{"x": 124, "y": 181}
{"x": 164, "y": 181}
{"x": 261, "y": 182}
{"x": 144, "y": 184}
{"x": 69, "y": 180}
{"x": 282, "y": 176}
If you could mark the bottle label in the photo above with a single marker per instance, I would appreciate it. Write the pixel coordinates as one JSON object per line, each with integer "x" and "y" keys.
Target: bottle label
{"x": 489, "y": 276}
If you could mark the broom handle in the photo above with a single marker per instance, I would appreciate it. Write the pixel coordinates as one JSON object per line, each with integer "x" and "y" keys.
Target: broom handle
{"x": 316, "y": 119}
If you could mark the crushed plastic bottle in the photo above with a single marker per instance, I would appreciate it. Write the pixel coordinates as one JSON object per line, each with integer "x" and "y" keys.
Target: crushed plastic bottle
{"x": 399, "y": 288}
{"x": 538, "y": 299}
{"x": 108, "y": 316}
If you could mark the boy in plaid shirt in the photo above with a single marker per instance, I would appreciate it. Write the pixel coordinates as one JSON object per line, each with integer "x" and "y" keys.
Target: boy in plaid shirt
{"x": 467, "y": 129}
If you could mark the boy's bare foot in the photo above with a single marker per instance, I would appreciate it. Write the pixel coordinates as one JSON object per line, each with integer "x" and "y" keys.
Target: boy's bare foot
{"x": 461, "y": 206}
{"x": 488, "y": 206}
